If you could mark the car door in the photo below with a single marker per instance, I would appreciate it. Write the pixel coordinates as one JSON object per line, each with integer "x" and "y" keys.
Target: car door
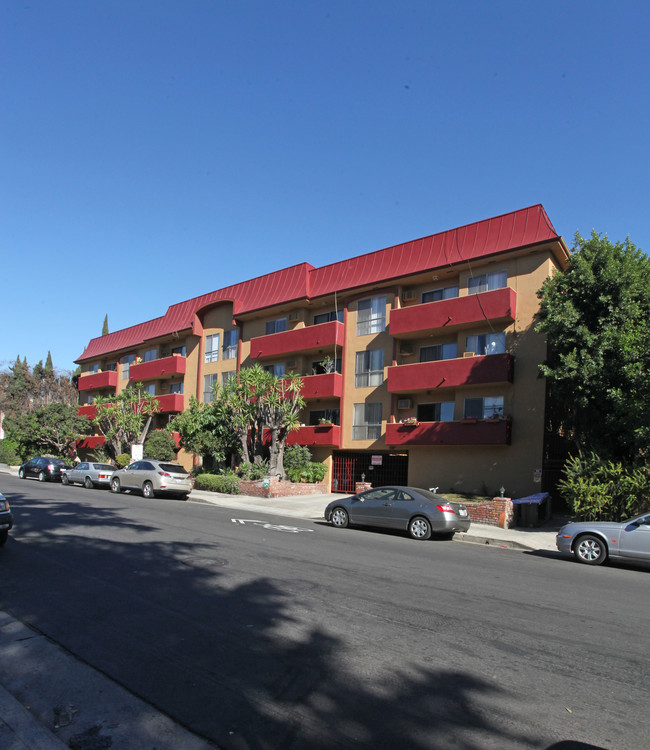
{"x": 76, "y": 474}
{"x": 396, "y": 510}
{"x": 130, "y": 476}
{"x": 634, "y": 539}
{"x": 369, "y": 507}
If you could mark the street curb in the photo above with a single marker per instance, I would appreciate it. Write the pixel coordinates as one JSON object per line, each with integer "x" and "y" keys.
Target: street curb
{"x": 491, "y": 542}
{"x": 26, "y": 729}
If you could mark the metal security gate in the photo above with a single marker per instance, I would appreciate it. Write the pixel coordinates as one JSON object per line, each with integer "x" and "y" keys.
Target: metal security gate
{"x": 377, "y": 468}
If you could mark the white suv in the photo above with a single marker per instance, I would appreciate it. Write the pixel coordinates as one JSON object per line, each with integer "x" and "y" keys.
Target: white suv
{"x": 152, "y": 477}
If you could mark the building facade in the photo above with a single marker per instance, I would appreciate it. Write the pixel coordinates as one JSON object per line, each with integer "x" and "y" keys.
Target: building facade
{"x": 420, "y": 361}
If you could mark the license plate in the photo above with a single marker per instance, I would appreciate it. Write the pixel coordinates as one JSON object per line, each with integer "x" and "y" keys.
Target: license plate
{"x": 462, "y": 512}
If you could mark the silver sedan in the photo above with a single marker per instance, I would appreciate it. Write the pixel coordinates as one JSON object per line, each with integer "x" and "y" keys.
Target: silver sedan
{"x": 592, "y": 542}
{"x": 420, "y": 512}
{"x": 89, "y": 474}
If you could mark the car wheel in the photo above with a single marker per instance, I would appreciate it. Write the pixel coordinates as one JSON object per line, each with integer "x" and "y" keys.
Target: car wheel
{"x": 147, "y": 489}
{"x": 419, "y": 528}
{"x": 115, "y": 486}
{"x": 590, "y": 550}
{"x": 4, "y": 535}
{"x": 42, "y": 477}
{"x": 340, "y": 518}
{"x": 64, "y": 479}
{"x": 88, "y": 483}
{"x": 21, "y": 473}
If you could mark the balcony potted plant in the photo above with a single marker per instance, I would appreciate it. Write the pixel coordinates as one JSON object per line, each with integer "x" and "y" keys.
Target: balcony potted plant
{"x": 324, "y": 422}
{"x": 409, "y": 422}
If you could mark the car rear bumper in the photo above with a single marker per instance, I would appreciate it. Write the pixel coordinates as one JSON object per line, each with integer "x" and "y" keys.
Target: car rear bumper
{"x": 450, "y": 523}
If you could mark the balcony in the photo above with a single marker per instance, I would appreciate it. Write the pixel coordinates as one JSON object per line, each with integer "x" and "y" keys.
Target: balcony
{"x": 91, "y": 443}
{"x": 451, "y": 373}
{"x": 97, "y": 380}
{"x": 328, "y": 385}
{"x": 465, "y": 432}
{"x": 170, "y": 402}
{"x": 88, "y": 410}
{"x": 328, "y": 435}
{"x": 156, "y": 369}
{"x": 324, "y": 336}
{"x": 497, "y": 306}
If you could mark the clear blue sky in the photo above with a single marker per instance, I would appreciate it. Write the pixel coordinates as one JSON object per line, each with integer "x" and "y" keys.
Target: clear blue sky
{"x": 156, "y": 150}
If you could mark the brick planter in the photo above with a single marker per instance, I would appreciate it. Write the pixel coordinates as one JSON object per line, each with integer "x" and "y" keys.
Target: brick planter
{"x": 497, "y": 512}
{"x": 277, "y": 488}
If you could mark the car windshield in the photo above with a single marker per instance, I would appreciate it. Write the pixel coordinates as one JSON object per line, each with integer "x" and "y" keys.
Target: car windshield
{"x": 173, "y": 468}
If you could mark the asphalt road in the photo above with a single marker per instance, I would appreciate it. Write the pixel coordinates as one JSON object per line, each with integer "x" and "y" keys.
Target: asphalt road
{"x": 278, "y": 633}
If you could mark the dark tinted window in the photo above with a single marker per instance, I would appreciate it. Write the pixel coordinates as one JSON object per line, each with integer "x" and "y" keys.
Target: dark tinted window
{"x": 146, "y": 466}
{"x": 103, "y": 467}
{"x": 173, "y": 468}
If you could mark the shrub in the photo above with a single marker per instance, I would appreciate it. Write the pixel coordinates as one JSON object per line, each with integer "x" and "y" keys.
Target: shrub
{"x": 226, "y": 483}
{"x": 314, "y": 472}
{"x": 253, "y": 471}
{"x": 160, "y": 444}
{"x": 296, "y": 458}
{"x": 604, "y": 490}
{"x": 123, "y": 460}
{"x": 9, "y": 452}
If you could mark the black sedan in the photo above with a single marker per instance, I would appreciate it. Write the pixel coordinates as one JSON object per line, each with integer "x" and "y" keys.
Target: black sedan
{"x": 420, "y": 512}
{"x": 6, "y": 519}
{"x": 43, "y": 468}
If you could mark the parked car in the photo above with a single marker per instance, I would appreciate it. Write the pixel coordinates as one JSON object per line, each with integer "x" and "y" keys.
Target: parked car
{"x": 418, "y": 511}
{"x": 89, "y": 474}
{"x": 152, "y": 477}
{"x": 592, "y": 542}
{"x": 43, "y": 468}
{"x": 6, "y": 519}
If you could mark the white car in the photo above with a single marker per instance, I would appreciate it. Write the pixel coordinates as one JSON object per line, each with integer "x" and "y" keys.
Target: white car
{"x": 89, "y": 474}
{"x": 592, "y": 542}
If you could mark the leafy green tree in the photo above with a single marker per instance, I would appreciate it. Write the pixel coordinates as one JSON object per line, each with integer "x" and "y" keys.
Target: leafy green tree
{"x": 22, "y": 389}
{"x": 204, "y": 432}
{"x": 124, "y": 418}
{"x": 596, "y": 317}
{"x": 160, "y": 444}
{"x": 53, "y": 428}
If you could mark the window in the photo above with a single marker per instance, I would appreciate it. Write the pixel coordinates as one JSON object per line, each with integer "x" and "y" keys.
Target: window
{"x": 212, "y": 348}
{"x": 176, "y": 387}
{"x": 487, "y": 281}
{"x": 230, "y": 339}
{"x": 328, "y": 316}
{"x": 369, "y": 368}
{"x": 438, "y": 412}
{"x": 228, "y": 375}
{"x": 437, "y": 294}
{"x": 93, "y": 368}
{"x": 277, "y": 370}
{"x": 366, "y": 423}
{"x": 150, "y": 388}
{"x": 483, "y": 408}
{"x": 371, "y": 315}
{"x": 150, "y": 355}
{"x": 276, "y": 326}
{"x": 326, "y": 365}
{"x": 127, "y": 360}
{"x": 324, "y": 415}
{"x": 209, "y": 381}
{"x": 179, "y": 350}
{"x": 111, "y": 366}
{"x": 438, "y": 351}
{"x": 486, "y": 343}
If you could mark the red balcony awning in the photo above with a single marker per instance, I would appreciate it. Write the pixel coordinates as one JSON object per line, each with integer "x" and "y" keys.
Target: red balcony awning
{"x": 464, "y": 432}
{"x": 450, "y": 373}
{"x": 96, "y": 380}
{"x": 323, "y": 336}
{"x": 166, "y": 367}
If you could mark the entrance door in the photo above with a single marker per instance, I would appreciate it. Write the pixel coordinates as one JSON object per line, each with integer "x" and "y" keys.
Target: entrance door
{"x": 379, "y": 469}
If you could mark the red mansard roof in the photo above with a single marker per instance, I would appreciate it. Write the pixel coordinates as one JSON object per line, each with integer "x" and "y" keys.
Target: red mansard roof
{"x": 528, "y": 226}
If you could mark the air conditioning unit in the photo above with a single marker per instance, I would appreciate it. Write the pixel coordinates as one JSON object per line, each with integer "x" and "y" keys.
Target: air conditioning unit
{"x": 404, "y": 403}
{"x": 409, "y": 295}
{"x": 469, "y": 354}
{"x": 290, "y": 364}
{"x": 293, "y": 315}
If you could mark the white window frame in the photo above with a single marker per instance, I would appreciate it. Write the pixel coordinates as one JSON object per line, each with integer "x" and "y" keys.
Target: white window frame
{"x": 366, "y": 421}
{"x": 230, "y": 342}
{"x": 176, "y": 387}
{"x": 371, "y": 315}
{"x": 149, "y": 388}
{"x": 127, "y": 361}
{"x": 491, "y": 406}
{"x": 486, "y": 282}
{"x": 150, "y": 355}
{"x": 486, "y": 343}
{"x": 446, "y": 351}
{"x": 440, "y": 293}
{"x": 228, "y": 375}
{"x": 369, "y": 368}
{"x": 212, "y": 348}
{"x": 278, "y": 369}
{"x": 209, "y": 381}
{"x": 445, "y": 411}
{"x": 279, "y": 325}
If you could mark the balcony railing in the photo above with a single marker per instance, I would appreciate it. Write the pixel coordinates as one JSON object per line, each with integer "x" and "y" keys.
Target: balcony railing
{"x": 464, "y": 432}
{"x": 96, "y": 380}
{"x": 323, "y": 336}
{"x": 319, "y": 435}
{"x": 170, "y": 402}
{"x": 497, "y": 306}
{"x": 157, "y": 368}
{"x": 451, "y": 373}
{"x": 327, "y": 385}
{"x": 91, "y": 443}
{"x": 88, "y": 410}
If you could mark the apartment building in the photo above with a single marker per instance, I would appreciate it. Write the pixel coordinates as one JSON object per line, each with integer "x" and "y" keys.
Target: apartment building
{"x": 420, "y": 361}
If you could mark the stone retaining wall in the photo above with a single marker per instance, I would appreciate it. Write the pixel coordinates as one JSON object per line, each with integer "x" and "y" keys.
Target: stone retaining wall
{"x": 277, "y": 488}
